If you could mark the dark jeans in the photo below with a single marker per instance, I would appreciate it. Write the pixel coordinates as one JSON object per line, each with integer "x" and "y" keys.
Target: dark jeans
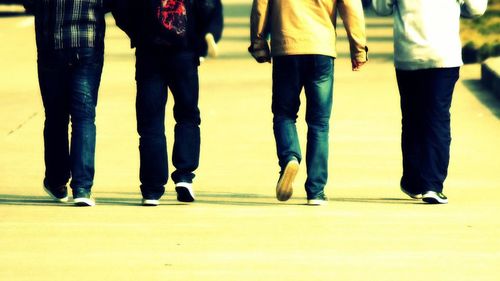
{"x": 314, "y": 73}
{"x": 157, "y": 71}
{"x": 425, "y": 141}
{"x": 69, "y": 81}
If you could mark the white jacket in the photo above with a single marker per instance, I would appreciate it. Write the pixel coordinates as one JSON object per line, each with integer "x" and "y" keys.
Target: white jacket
{"x": 426, "y": 32}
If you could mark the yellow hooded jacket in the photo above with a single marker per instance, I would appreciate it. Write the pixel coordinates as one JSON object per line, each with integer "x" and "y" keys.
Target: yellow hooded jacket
{"x": 299, "y": 27}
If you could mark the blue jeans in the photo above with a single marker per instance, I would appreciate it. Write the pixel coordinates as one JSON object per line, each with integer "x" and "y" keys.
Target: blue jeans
{"x": 69, "y": 81}
{"x": 157, "y": 71}
{"x": 314, "y": 73}
{"x": 425, "y": 140}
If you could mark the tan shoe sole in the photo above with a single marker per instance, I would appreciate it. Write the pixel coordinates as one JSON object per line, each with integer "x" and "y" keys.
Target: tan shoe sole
{"x": 284, "y": 188}
{"x": 212, "y": 50}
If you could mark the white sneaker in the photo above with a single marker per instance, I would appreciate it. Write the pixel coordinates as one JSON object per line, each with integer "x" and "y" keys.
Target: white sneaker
{"x": 319, "y": 200}
{"x": 412, "y": 195}
{"x": 433, "y": 197}
{"x": 59, "y": 195}
{"x": 150, "y": 202}
{"x": 83, "y": 197}
{"x": 185, "y": 192}
{"x": 212, "y": 49}
{"x": 84, "y": 202}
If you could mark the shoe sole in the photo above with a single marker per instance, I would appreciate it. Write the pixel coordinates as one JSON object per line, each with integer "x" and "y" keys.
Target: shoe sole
{"x": 211, "y": 46}
{"x": 284, "y": 188}
{"x": 317, "y": 202}
{"x": 413, "y": 196}
{"x": 184, "y": 194}
{"x": 84, "y": 202}
{"x": 62, "y": 200}
{"x": 434, "y": 200}
{"x": 150, "y": 202}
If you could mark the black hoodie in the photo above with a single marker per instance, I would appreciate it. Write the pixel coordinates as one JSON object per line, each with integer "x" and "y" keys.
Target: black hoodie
{"x": 137, "y": 18}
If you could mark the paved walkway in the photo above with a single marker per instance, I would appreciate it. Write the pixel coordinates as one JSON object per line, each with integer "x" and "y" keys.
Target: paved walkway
{"x": 237, "y": 230}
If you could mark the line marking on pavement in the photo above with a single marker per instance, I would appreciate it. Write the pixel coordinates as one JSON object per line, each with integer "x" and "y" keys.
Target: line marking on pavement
{"x": 22, "y": 124}
{"x": 238, "y": 20}
{"x": 28, "y": 22}
{"x": 11, "y": 8}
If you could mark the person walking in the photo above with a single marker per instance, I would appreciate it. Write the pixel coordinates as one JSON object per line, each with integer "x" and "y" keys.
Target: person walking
{"x": 70, "y": 50}
{"x": 427, "y": 58}
{"x": 169, "y": 37}
{"x": 212, "y": 12}
{"x": 302, "y": 52}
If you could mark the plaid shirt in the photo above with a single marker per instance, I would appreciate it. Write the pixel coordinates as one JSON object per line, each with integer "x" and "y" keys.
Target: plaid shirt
{"x": 62, "y": 24}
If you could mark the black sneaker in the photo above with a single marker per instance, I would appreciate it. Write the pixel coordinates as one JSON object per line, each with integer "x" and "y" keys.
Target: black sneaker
{"x": 185, "y": 192}
{"x": 59, "y": 194}
{"x": 433, "y": 197}
{"x": 411, "y": 194}
{"x": 319, "y": 200}
{"x": 284, "y": 188}
{"x": 83, "y": 197}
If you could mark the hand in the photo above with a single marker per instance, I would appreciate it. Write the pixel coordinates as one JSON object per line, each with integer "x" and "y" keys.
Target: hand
{"x": 261, "y": 55}
{"x": 260, "y": 51}
{"x": 356, "y": 65}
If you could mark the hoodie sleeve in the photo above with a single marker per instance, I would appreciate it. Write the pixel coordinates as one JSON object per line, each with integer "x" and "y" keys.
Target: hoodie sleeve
{"x": 259, "y": 21}
{"x": 351, "y": 12}
{"x": 29, "y": 5}
{"x": 383, "y": 7}
{"x": 123, "y": 13}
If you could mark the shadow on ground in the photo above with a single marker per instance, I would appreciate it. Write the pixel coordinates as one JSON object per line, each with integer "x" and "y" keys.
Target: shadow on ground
{"x": 485, "y": 96}
{"x": 211, "y": 198}
{"x": 7, "y": 199}
{"x": 4, "y": 14}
